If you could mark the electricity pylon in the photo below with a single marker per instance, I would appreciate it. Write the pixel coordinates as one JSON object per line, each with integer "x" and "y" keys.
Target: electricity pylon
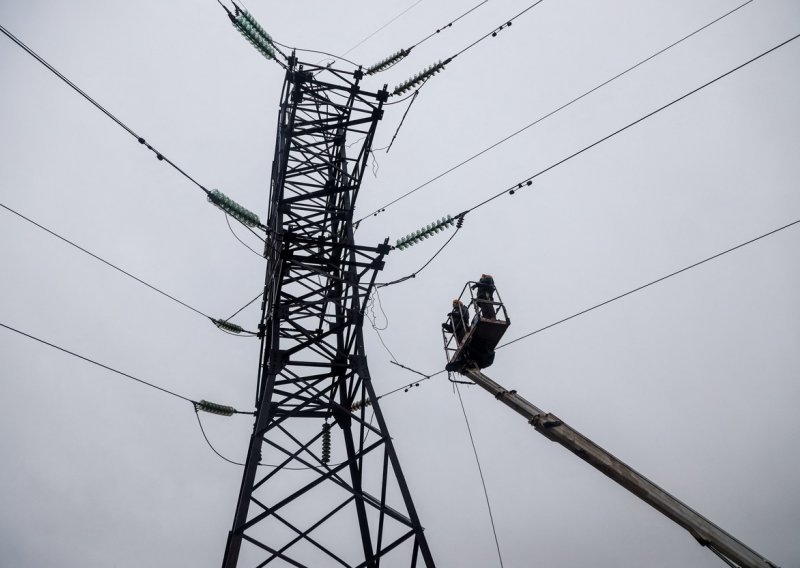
{"x": 322, "y": 485}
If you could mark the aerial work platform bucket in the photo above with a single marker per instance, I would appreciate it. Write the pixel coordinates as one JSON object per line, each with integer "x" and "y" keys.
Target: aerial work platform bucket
{"x": 474, "y": 327}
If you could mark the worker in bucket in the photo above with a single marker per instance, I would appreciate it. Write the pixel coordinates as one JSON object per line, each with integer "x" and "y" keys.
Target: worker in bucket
{"x": 457, "y": 320}
{"x": 484, "y": 296}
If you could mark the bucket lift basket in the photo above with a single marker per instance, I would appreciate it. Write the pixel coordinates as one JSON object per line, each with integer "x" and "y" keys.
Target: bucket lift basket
{"x": 471, "y": 341}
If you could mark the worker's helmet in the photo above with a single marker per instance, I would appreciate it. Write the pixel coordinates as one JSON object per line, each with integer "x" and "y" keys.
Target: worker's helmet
{"x": 456, "y": 302}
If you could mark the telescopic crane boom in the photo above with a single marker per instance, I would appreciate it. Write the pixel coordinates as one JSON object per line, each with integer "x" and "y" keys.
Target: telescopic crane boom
{"x": 485, "y": 330}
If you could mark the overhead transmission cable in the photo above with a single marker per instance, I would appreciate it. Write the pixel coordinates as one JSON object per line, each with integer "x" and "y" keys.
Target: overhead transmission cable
{"x": 527, "y": 181}
{"x": 480, "y": 471}
{"x": 241, "y": 214}
{"x": 222, "y": 324}
{"x": 93, "y": 362}
{"x": 236, "y": 313}
{"x": 651, "y": 283}
{"x": 382, "y": 208}
{"x": 244, "y": 244}
{"x": 448, "y": 24}
{"x": 204, "y": 405}
{"x": 317, "y": 51}
{"x": 424, "y": 266}
{"x": 392, "y": 60}
{"x": 497, "y": 30}
{"x": 425, "y": 377}
{"x": 435, "y": 68}
{"x": 383, "y": 27}
{"x": 398, "y": 56}
{"x": 426, "y": 232}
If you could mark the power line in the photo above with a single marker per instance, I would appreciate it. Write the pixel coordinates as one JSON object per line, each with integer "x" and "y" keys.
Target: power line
{"x": 128, "y": 274}
{"x": 141, "y": 140}
{"x": 104, "y": 261}
{"x": 549, "y": 114}
{"x": 447, "y": 25}
{"x": 498, "y": 29}
{"x": 227, "y": 220}
{"x": 354, "y": 64}
{"x": 131, "y": 377}
{"x": 527, "y": 182}
{"x": 480, "y": 471}
{"x": 405, "y": 388}
{"x": 656, "y": 281}
{"x": 236, "y": 313}
{"x": 601, "y": 304}
{"x": 210, "y": 445}
{"x": 159, "y": 155}
{"x": 383, "y": 27}
{"x": 93, "y": 362}
{"x": 420, "y": 269}
{"x": 402, "y": 120}
{"x": 432, "y": 70}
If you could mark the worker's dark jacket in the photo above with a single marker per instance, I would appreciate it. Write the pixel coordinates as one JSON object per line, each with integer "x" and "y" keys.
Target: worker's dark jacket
{"x": 484, "y": 297}
{"x": 459, "y": 318}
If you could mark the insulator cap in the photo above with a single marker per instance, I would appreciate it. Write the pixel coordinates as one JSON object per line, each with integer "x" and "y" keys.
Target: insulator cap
{"x": 215, "y": 408}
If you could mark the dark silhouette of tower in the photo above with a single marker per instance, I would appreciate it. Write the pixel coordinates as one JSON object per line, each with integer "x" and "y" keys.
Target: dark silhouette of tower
{"x": 333, "y": 492}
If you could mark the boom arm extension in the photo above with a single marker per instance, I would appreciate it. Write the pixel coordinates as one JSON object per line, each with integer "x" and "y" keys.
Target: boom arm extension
{"x": 707, "y": 533}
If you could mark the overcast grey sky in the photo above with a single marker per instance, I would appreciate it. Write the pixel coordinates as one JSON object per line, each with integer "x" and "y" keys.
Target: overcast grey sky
{"x": 694, "y": 382}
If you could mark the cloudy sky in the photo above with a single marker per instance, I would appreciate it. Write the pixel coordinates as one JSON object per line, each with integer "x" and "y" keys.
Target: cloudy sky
{"x": 694, "y": 381}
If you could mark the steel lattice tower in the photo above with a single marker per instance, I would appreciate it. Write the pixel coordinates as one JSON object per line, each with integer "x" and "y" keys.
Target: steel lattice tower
{"x": 351, "y": 507}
